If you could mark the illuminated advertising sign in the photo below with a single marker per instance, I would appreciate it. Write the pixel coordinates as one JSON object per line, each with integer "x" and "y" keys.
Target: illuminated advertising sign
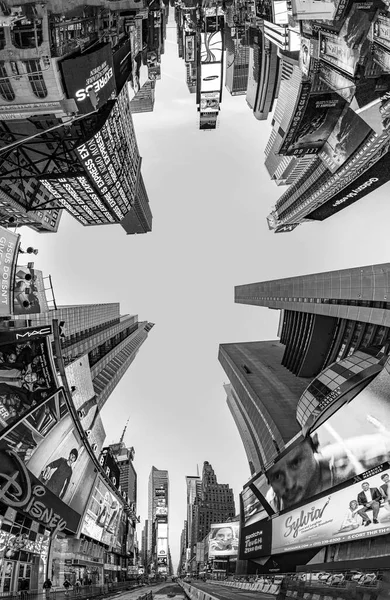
{"x": 209, "y": 102}
{"x": 162, "y": 530}
{"x": 211, "y": 77}
{"x": 337, "y": 82}
{"x": 254, "y": 508}
{"x": 315, "y": 117}
{"x": 160, "y": 492}
{"x": 375, "y": 173}
{"x": 92, "y": 70}
{"x": 353, "y": 440}
{"x": 335, "y": 51}
{"x": 381, "y": 30}
{"x": 223, "y": 540}
{"x": 286, "y": 228}
{"x": 313, "y": 9}
{"x": 27, "y": 377}
{"x": 349, "y": 133}
{"x": 9, "y": 244}
{"x": 110, "y": 466}
{"x": 103, "y": 514}
{"x": 208, "y": 120}
{"x": 29, "y": 291}
{"x": 305, "y": 55}
{"x": 255, "y": 540}
{"x": 189, "y": 47}
{"x": 162, "y": 547}
{"x": 356, "y": 512}
{"x": 110, "y": 161}
{"x": 211, "y": 47}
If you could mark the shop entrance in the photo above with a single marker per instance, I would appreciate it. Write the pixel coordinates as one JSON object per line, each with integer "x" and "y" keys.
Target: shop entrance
{"x": 11, "y": 574}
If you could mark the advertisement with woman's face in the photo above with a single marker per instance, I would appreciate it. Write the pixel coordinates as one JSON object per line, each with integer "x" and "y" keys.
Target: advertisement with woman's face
{"x": 223, "y": 540}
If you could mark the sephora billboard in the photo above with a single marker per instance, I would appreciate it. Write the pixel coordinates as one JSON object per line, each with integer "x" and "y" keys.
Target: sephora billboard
{"x": 372, "y": 178}
{"x": 91, "y": 71}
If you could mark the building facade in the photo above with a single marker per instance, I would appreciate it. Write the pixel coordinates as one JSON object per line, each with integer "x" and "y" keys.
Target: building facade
{"x": 158, "y": 518}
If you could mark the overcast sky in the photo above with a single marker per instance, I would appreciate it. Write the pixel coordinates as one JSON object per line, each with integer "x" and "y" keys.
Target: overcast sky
{"x": 210, "y": 195}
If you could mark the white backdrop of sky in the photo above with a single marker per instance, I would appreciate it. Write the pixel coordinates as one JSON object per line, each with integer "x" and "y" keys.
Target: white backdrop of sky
{"x": 210, "y": 195}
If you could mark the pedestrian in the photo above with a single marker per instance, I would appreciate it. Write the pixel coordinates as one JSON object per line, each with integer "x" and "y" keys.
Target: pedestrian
{"x": 47, "y": 586}
{"x": 66, "y": 586}
{"x": 24, "y": 587}
{"x": 77, "y": 587}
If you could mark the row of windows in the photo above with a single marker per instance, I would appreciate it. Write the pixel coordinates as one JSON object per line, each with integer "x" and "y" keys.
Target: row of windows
{"x": 337, "y": 301}
{"x": 35, "y": 78}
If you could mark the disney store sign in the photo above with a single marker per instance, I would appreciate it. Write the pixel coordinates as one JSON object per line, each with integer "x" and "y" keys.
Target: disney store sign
{"x": 21, "y": 490}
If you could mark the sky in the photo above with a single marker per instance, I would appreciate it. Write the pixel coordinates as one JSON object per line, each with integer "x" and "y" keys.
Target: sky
{"x": 210, "y": 195}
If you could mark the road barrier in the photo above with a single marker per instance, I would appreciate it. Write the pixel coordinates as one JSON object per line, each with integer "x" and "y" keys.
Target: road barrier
{"x": 83, "y": 592}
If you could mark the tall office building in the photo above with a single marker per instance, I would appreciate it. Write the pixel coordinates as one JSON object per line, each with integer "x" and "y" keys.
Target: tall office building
{"x": 216, "y": 502}
{"x": 143, "y": 101}
{"x": 194, "y": 487}
{"x": 158, "y": 507}
{"x": 326, "y": 316}
{"x": 262, "y": 398}
{"x": 237, "y": 61}
{"x": 110, "y": 340}
{"x": 127, "y": 475}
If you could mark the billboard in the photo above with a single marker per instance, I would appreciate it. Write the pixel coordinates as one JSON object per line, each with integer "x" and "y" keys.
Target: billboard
{"x": 253, "y": 508}
{"x": 189, "y": 47}
{"x": 106, "y": 191}
{"x": 255, "y": 540}
{"x": 208, "y": 120}
{"x": 103, "y": 515}
{"x": 27, "y": 377}
{"x": 375, "y": 173}
{"x": 209, "y": 102}
{"x": 348, "y": 134}
{"x": 351, "y": 441}
{"x": 211, "y": 77}
{"x": 337, "y": 82}
{"x": 381, "y": 56}
{"x": 313, "y": 9}
{"x": 9, "y": 244}
{"x": 223, "y": 540}
{"x": 211, "y": 47}
{"x": 50, "y": 455}
{"x": 335, "y": 51}
{"x": 162, "y": 547}
{"x": 343, "y": 516}
{"x": 110, "y": 466}
{"x": 29, "y": 291}
{"x": 93, "y": 70}
{"x": 381, "y": 30}
{"x": 122, "y": 65}
{"x": 315, "y": 117}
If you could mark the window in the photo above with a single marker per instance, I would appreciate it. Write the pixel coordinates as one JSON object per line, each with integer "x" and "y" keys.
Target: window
{"x": 6, "y": 90}
{"x": 36, "y": 78}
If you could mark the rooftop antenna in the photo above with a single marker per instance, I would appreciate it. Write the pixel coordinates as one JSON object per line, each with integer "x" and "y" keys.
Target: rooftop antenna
{"x": 124, "y": 431}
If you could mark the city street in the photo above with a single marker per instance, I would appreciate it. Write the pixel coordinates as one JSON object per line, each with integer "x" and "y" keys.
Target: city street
{"x": 160, "y": 591}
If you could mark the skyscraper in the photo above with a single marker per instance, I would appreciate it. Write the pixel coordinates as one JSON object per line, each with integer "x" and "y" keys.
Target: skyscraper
{"x": 158, "y": 506}
{"x": 326, "y": 316}
{"x": 127, "y": 475}
{"x": 216, "y": 502}
{"x": 262, "y": 399}
{"x": 110, "y": 340}
{"x": 237, "y": 61}
{"x": 194, "y": 487}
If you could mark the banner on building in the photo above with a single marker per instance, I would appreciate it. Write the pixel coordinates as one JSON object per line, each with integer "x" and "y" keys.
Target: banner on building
{"x": 223, "y": 540}
{"x": 255, "y": 540}
{"x": 189, "y": 47}
{"x": 103, "y": 515}
{"x": 337, "y": 517}
{"x": 9, "y": 246}
{"x": 27, "y": 376}
{"x": 335, "y": 51}
{"x": 29, "y": 291}
{"x": 93, "y": 70}
{"x": 315, "y": 117}
{"x": 347, "y": 136}
{"x": 374, "y": 173}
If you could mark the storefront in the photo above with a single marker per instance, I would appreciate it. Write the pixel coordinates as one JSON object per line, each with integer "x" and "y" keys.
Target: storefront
{"x": 76, "y": 559}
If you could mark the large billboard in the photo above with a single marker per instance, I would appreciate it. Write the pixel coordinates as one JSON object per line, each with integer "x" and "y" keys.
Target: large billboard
{"x": 93, "y": 70}
{"x": 51, "y": 461}
{"x": 211, "y": 47}
{"x": 353, "y": 440}
{"x": 381, "y": 30}
{"x": 348, "y": 134}
{"x": 29, "y": 291}
{"x": 223, "y": 540}
{"x": 209, "y": 102}
{"x": 335, "y": 51}
{"x": 377, "y": 173}
{"x": 9, "y": 244}
{"x": 315, "y": 117}
{"x": 109, "y": 159}
{"x": 27, "y": 377}
{"x": 381, "y": 56}
{"x": 255, "y": 540}
{"x": 103, "y": 515}
{"x": 211, "y": 77}
{"x": 337, "y": 81}
{"x": 313, "y": 9}
{"x": 359, "y": 511}
{"x": 189, "y": 47}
